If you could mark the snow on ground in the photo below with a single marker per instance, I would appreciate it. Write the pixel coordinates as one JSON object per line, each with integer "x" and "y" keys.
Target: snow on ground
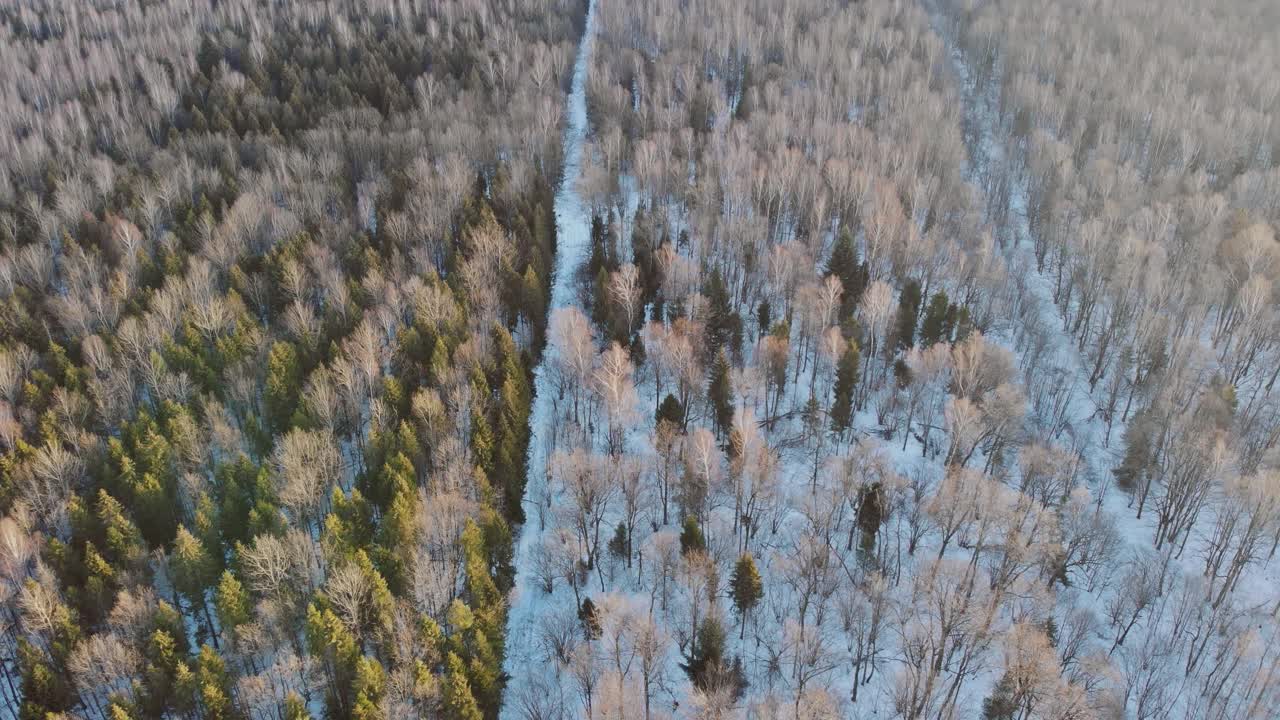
{"x": 1086, "y": 431}
{"x": 573, "y": 238}
{"x": 1083, "y": 431}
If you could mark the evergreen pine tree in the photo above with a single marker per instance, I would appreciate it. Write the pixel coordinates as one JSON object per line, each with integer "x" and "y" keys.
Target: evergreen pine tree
{"x": 933, "y": 328}
{"x": 847, "y": 369}
{"x": 811, "y": 418}
{"x": 379, "y": 606}
{"x": 870, "y": 517}
{"x": 746, "y": 588}
{"x": 349, "y": 525}
{"x": 671, "y": 411}
{"x": 724, "y": 327}
{"x": 1132, "y": 475}
{"x": 193, "y": 573}
{"x": 155, "y": 508}
{"x": 369, "y": 683}
{"x": 949, "y": 326}
{"x": 908, "y": 309}
{"x": 396, "y": 474}
{"x": 232, "y": 602}
{"x": 618, "y": 544}
{"x": 46, "y": 684}
{"x": 590, "y": 618}
{"x": 396, "y": 532}
{"x": 295, "y": 708}
{"x": 707, "y": 668}
{"x": 242, "y": 491}
{"x": 459, "y": 703}
{"x": 208, "y": 56}
{"x": 498, "y": 548}
{"x": 509, "y": 451}
{"x": 764, "y": 316}
{"x": 284, "y": 382}
{"x": 482, "y": 592}
{"x": 101, "y": 579}
{"x": 117, "y": 709}
{"x": 691, "y": 538}
{"x": 484, "y": 670}
{"x": 481, "y": 441}
{"x": 329, "y": 641}
{"x": 601, "y": 308}
{"x": 598, "y": 256}
{"x": 121, "y": 539}
{"x": 901, "y": 373}
{"x": 213, "y": 691}
{"x": 438, "y": 370}
{"x": 720, "y": 393}
{"x": 165, "y": 675}
{"x": 532, "y": 300}
{"x": 1000, "y": 704}
{"x": 843, "y": 264}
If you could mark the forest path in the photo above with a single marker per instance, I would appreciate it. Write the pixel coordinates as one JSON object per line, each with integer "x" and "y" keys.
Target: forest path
{"x": 1059, "y": 357}
{"x": 573, "y": 239}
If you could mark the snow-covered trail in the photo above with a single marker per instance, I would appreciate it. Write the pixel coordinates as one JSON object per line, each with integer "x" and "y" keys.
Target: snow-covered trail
{"x": 573, "y": 239}
{"x": 1085, "y": 430}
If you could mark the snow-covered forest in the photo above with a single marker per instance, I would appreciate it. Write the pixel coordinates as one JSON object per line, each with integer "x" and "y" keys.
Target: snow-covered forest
{"x": 552, "y": 359}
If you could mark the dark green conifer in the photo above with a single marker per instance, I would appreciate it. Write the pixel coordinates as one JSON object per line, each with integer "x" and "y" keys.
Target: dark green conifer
{"x": 847, "y": 370}
{"x": 934, "y": 327}
{"x": 720, "y": 394}
{"x": 908, "y": 309}
{"x": 745, "y": 587}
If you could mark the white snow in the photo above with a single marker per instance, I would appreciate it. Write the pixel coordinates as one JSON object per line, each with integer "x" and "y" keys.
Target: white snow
{"x": 573, "y": 239}
{"x": 1085, "y": 430}
{"x": 1081, "y": 430}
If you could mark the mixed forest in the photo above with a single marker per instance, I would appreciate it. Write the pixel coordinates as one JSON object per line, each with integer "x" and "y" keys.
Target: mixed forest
{"x": 272, "y": 285}
{"x": 553, "y": 359}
